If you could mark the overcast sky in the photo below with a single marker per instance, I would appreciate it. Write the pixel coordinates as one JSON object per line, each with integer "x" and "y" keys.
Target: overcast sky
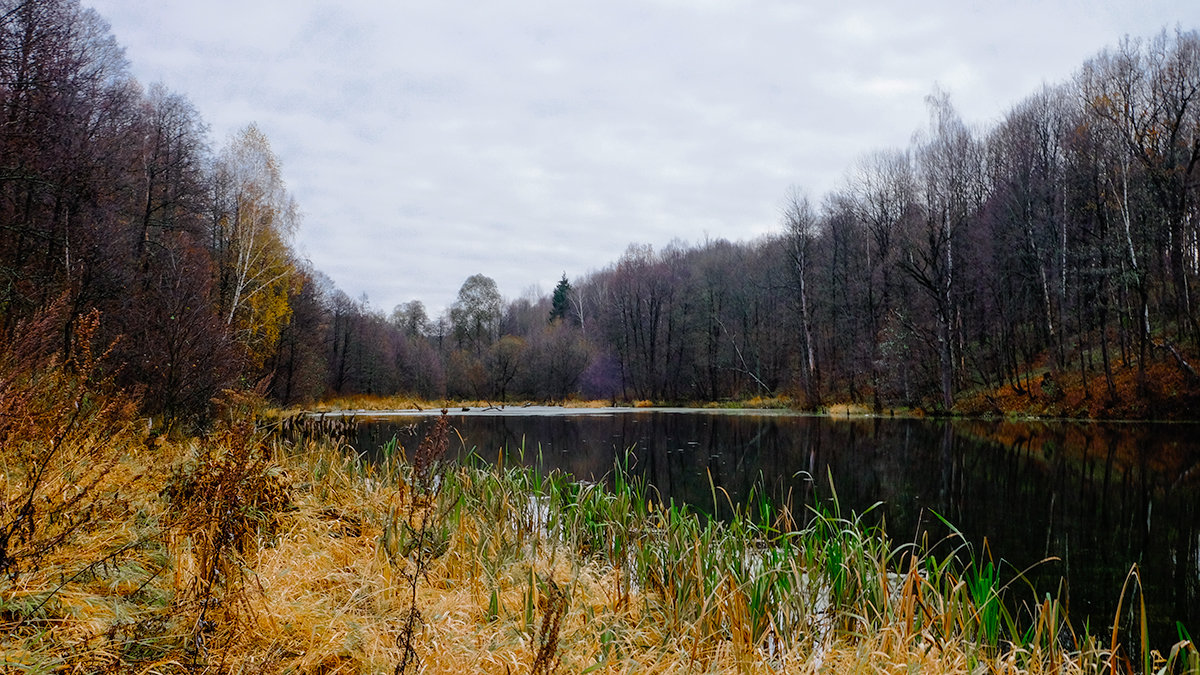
{"x": 427, "y": 141}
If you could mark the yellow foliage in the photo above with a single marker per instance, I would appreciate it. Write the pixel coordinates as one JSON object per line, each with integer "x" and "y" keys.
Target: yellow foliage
{"x": 264, "y": 315}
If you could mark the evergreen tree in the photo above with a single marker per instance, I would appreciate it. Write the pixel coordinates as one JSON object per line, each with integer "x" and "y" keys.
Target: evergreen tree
{"x": 560, "y": 303}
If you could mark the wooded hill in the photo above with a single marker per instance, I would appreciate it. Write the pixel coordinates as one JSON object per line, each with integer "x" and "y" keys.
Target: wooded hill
{"x": 1048, "y": 263}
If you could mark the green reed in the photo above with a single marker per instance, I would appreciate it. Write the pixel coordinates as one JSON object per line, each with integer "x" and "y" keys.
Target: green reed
{"x": 756, "y": 578}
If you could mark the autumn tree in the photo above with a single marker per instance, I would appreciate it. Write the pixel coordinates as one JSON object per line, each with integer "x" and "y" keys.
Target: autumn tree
{"x": 252, "y": 219}
{"x": 476, "y": 314}
{"x": 299, "y": 365}
{"x": 1066, "y": 231}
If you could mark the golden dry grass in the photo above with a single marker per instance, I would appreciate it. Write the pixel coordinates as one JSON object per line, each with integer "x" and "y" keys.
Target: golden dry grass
{"x": 380, "y": 403}
{"x": 322, "y": 586}
{"x": 377, "y": 403}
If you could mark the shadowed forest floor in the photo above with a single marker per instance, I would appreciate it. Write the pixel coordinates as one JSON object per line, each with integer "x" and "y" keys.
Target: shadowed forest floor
{"x": 1163, "y": 391}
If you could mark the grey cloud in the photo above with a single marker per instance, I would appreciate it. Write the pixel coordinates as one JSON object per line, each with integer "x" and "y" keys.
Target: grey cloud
{"x": 428, "y": 141}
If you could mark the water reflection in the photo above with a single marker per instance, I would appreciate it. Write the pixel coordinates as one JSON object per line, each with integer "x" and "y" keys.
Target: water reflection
{"x": 1079, "y": 504}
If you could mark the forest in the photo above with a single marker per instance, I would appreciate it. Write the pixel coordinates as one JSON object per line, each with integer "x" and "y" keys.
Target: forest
{"x": 1053, "y": 254}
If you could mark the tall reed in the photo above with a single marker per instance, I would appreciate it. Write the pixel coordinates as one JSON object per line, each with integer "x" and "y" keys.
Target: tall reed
{"x": 340, "y": 562}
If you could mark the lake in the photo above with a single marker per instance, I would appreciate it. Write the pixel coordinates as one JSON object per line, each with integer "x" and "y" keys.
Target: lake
{"x": 1074, "y": 503}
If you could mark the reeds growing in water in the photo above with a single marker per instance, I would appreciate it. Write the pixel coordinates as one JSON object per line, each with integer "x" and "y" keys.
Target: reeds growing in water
{"x": 247, "y": 551}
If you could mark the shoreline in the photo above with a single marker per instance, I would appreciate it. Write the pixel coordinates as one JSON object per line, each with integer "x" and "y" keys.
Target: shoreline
{"x": 516, "y": 409}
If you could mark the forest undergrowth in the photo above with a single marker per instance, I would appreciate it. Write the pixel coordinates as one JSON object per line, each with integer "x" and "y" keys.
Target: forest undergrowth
{"x": 1162, "y": 388}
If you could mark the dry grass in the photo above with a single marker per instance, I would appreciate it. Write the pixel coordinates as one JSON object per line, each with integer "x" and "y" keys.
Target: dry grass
{"x": 400, "y": 402}
{"x": 839, "y": 410}
{"x": 238, "y": 552}
{"x": 379, "y": 403}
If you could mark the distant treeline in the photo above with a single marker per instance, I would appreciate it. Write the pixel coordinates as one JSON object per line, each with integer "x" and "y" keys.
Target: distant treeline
{"x": 1066, "y": 238}
{"x": 1062, "y": 239}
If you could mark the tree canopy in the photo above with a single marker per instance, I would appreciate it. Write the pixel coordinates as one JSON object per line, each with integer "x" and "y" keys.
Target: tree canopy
{"x": 975, "y": 263}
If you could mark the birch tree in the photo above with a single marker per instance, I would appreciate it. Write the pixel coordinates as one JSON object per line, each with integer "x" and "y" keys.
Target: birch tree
{"x": 949, "y": 191}
{"x": 253, "y": 220}
{"x": 1148, "y": 94}
{"x": 881, "y": 192}
{"x": 1026, "y": 159}
{"x": 800, "y": 222}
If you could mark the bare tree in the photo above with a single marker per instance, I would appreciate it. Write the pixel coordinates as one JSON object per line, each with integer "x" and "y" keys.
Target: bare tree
{"x": 171, "y": 165}
{"x": 1148, "y": 93}
{"x": 949, "y": 166}
{"x": 881, "y": 192}
{"x": 1026, "y": 162}
{"x": 800, "y": 223}
{"x": 411, "y": 318}
{"x": 475, "y": 315}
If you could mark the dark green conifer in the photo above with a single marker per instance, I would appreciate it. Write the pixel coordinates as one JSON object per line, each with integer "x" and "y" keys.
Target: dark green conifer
{"x": 560, "y": 303}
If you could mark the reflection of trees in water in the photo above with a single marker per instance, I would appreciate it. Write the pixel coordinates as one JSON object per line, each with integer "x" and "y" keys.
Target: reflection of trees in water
{"x": 1093, "y": 498}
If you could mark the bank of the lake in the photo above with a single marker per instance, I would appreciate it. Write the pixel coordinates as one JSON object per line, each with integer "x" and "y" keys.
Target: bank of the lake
{"x": 1061, "y": 508}
{"x": 245, "y": 550}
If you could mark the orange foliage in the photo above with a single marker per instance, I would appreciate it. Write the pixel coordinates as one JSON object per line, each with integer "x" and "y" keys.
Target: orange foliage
{"x": 1162, "y": 392}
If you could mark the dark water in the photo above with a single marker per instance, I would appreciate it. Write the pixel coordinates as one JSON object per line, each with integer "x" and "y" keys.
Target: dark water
{"x": 1079, "y": 503}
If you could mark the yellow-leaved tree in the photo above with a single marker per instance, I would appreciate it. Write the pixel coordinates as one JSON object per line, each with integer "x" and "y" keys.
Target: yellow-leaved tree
{"x": 253, "y": 219}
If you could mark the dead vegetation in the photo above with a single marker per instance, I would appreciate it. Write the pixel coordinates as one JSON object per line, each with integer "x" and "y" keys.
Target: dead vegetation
{"x": 1160, "y": 389}
{"x": 252, "y": 550}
